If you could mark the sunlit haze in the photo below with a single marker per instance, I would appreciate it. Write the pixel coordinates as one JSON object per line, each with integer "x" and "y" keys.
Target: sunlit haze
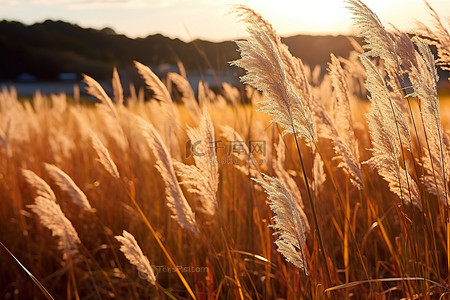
{"x": 211, "y": 20}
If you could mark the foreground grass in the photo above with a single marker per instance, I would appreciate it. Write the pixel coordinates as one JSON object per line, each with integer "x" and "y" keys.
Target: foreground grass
{"x": 234, "y": 254}
{"x": 359, "y": 203}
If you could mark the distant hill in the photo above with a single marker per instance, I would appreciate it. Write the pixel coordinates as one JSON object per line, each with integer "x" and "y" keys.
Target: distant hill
{"x": 45, "y": 50}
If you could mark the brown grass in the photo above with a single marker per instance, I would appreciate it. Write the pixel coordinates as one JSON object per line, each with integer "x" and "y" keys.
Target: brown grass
{"x": 347, "y": 171}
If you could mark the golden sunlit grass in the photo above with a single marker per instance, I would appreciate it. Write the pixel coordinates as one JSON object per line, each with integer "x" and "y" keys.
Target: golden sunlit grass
{"x": 234, "y": 253}
{"x": 155, "y": 199}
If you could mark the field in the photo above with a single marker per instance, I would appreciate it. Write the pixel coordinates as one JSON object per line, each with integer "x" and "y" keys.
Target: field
{"x": 301, "y": 184}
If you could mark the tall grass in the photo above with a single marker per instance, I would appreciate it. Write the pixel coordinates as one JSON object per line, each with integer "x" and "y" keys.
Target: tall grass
{"x": 295, "y": 188}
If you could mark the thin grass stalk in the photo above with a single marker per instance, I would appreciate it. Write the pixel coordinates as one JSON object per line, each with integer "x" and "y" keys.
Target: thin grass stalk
{"x": 429, "y": 150}
{"x": 341, "y": 203}
{"x": 72, "y": 278}
{"x": 355, "y": 283}
{"x": 443, "y": 174}
{"x": 415, "y": 127}
{"x": 235, "y": 275}
{"x": 35, "y": 280}
{"x": 161, "y": 245}
{"x": 168, "y": 294}
{"x": 403, "y": 155}
{"x": 435, "y": 182}
{"x": 346, "y": 229}
{"x": 91, "y": 275}
{"x": 313, "y": 209}
{"x": 87, "y": 254}
{"x": 402, "y": 215}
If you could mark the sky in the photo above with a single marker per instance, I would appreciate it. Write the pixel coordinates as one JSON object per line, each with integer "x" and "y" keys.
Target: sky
{"x": 211, "y": 20}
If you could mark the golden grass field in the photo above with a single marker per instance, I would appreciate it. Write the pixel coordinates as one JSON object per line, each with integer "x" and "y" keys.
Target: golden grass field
{"x": 115, "y": 167}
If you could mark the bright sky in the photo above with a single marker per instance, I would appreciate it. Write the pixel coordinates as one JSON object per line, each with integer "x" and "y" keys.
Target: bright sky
{"x": 210, "y": 19}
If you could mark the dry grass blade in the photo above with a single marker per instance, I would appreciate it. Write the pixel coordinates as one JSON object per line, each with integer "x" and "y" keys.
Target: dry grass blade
{"x": 327, "y": 129}
{"x": 288, "y": 223}
{"x": 177, "y": 203}
{"x": 355, "y": 283}
{"x": 35, "y": 280}
{"x": 290, "y": 184}
{"x": 153, "y": 83}
{"x": 53, "y": 218}
{"x": 204, "y": 98}
{"x": 133, "y": 253}
{"x": 252, "y": 169}
{"x": 4, "y": 143}
{"x": 232, "y": 135}
{"x": 379, "y": 42}
{"x": 203, "y": 178}
{"x": 385, "y": 138}
{"x": 295, "y": 70}
{"x": 439, "y": 36}
{"x": 117, "y": 87}
{"x": 318, "y": 175}
{"x": 342, "y": 113}
{"x": 197, "y": 183}
{"x": 385, "y": 45}
{"x": 66, "y": 184}
{"x": 348, "y": 162}
{"x": 95, "y": 89}
{"x": 41, "y": 187}
{"x": 231, "y": 93}
{"x": 424, "y": 80}
{"x": 196, "y": 200}
{"x": 59, "y": 103}
{"x": 103, "y": 156}
{"x": 158, "y": 89}
{"x": 266, "y": 71}
{"x": 187, "y": 94}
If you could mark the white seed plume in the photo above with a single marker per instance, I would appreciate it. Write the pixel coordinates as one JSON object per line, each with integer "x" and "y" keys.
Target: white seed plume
{"x": 117, "y": 87}
{"x": 203, "y": 178}
{"x": 348, "y": 162}
{"x": 290, "y": 184}
{"x": 318, "y": 174}
{"x": 424, "y": 80}
{"x": 187, "y": 94}
{"x": 133, "y": 253}
{"x": 158, "y": 89}
{"x": 95, "y": 89}
{"x": 288, "y": 223}
{"x": 385, "y": 138}
{"x": 41, "y": 187}
{"x": 177, "y": 203}
{"x": 231, "y": 93}
{"x": 170, "y": 115}
{"x": 250, "y": 168}
{"x": 153, "y": 83}
{"x": 204, "y": 97}
{"x": 53, "y": 218}
{"x": 107, "y": 110}
{"x": 66, "y": 184}
{"x": 379, "y": 42}
{"x": 271, "y": 69}
{"x": 103, "y": 156}
{"x": 438, "y": 36}
{"x": 390, "y": 47}
{"x": 343, "y": 137}
{"x": 342, "y": 113}
{"x": 327, "y": 129}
